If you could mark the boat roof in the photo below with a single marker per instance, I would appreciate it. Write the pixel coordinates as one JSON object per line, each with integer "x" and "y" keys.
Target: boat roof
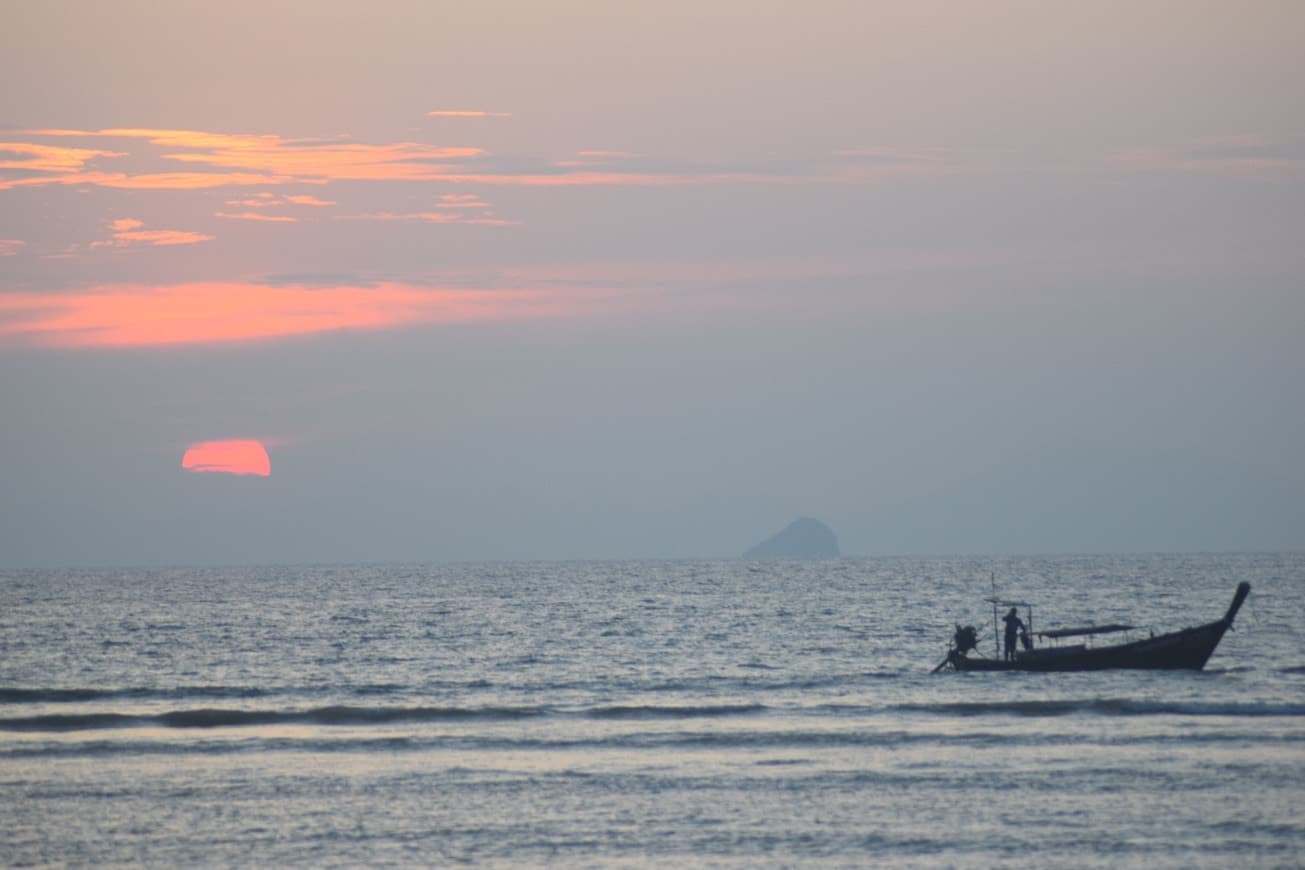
{"x": 1087, "y": 629}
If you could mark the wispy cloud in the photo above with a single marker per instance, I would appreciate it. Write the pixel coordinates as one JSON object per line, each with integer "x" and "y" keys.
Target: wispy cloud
{"x": 134, "y": 316}
{"x": 431, "y": 217}
{"x": 256, "y": 216}
{"x": 11, "y": 247}
{"x": 869, "y": 163}
{"x": 450, "y": 208}
{"x": 1245, "y": 153}
{"x": 462, "y": 200}
{"x": 591, "y": 158}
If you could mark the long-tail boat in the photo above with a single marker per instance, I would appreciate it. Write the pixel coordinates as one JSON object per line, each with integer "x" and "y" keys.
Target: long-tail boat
{"x": 1187, "y": 649}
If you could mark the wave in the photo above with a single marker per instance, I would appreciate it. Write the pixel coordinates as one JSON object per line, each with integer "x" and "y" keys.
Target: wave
{"x": 218, "y": 718}
{"x": 352, "y": 715}
{"x": 796, "y": 740}
{"x": 651, "y": 711}
{"x": 74, "y": 696}
{"x": 15, "y": 695}
{"x": 1105, "y": 707}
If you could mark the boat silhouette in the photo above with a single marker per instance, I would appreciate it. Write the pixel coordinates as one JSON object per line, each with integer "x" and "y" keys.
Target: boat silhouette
{"x": 1186, "y": 649}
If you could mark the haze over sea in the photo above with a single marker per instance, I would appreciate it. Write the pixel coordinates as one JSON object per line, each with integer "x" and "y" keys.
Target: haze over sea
{"x": 641, "y": 713}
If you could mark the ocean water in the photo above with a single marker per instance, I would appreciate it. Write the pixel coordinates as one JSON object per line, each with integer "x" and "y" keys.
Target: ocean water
{"x": 641, "y": 714}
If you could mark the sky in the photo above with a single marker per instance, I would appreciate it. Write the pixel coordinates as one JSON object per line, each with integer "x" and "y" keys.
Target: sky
{"x": 340, "y": 281}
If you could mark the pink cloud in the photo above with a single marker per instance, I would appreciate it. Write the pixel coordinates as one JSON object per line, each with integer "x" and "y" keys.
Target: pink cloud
{"x": 11, "y": 247}
{"x": 133, "y": 316}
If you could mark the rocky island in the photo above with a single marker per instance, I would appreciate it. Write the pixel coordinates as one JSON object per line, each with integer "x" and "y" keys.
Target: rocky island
{"x": 804, "y": 538}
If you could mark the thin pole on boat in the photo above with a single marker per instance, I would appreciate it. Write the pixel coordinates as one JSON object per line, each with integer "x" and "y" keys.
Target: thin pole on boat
{"x": 996, "y": 644}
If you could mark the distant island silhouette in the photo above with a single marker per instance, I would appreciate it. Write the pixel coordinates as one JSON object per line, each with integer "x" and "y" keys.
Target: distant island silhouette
{"x": 804, "y": 538}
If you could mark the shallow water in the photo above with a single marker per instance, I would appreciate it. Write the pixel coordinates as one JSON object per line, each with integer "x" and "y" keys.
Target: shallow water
{"x": 635, "y": 713}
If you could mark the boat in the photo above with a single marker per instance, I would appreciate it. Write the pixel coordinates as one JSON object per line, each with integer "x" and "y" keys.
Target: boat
{"x": 1187, "y": 649}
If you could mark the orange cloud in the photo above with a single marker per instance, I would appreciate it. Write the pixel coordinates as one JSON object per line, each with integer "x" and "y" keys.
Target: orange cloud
{"x": 270, "y": 200}
{"x": 127, "y": 231}
{"x": 34, "y": 157}
{"x": 131, "y": 316}
{"x": 305, "y": 199}
{"x": 241, "y": 457}
{"x": 151, "y": 180}
{"x": 277, "y": 160}
{"x": 163, "y": 237}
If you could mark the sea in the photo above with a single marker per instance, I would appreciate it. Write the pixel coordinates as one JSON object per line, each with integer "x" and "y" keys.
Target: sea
{"x": 642, "y": 713}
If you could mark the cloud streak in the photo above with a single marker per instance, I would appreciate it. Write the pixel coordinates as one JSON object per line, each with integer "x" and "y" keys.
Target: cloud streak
{"x": 224, "y": 159}
{"x": 466, "y": 113}
{"x": 256, "y": 216}
{"x": 1247, "y": 153}
{"x": 431, "y": 217}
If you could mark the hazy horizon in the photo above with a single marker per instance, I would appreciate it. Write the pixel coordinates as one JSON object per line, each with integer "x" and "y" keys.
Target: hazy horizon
{"x": 516, "y": 281}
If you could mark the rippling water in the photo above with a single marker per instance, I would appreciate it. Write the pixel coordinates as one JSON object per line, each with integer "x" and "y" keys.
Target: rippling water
{"x": 635, "y": 713}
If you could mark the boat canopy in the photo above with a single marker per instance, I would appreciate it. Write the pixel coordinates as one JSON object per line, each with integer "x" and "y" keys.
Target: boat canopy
{"x": 1087, "y": 629}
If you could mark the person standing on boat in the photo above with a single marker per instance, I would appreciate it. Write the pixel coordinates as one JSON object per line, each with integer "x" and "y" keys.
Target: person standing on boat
{"x": 1014, "y": 625}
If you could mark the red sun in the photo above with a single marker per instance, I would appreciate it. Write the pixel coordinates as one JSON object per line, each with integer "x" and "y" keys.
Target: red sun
{"x": 228, "y": 457}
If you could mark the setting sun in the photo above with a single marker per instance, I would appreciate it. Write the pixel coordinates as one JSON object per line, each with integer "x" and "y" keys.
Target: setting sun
{"x": 228, "y": 457}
